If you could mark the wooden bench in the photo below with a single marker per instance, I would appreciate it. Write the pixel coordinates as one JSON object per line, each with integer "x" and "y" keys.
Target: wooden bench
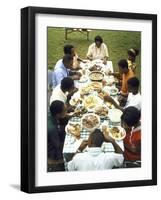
{"x": 80, "y": 30}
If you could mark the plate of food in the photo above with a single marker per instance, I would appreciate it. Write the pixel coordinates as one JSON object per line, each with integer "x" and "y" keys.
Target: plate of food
{"x": 101, "y": 110}
{"x": 115, "y": 115}
{"x": 114, "y": 91}
{"x": 117, "y": 133}
{"x": 95, "y": 68}
{"x": 75, "y": 99}
{"x": 97, "y": 86}
{"x": 83, "y": 79}
{"x": 79, "y": 111}
{"x": 92, "y": 101}
{"x": 90, "y": 121}
{"x": 73, "y": 128}
{"x": 86, "y": 89}
{"x": 97, "y": 61}
{"x": 96, "y": 76}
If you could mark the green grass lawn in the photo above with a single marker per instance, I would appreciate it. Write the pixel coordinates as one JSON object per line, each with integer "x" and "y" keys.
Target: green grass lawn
{"x": 118, "y": 43}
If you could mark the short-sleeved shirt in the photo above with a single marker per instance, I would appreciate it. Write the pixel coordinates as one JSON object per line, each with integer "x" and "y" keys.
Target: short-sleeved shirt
{"x": 97, "y": 53}
{"x": 58, "y": 94}
{"x": 134, "y": 100}
{"x": 132, "y": 139}
{"x": 125, "y": 78}
{"x": 95, "y": 159}
{"x": 60, "y": 72}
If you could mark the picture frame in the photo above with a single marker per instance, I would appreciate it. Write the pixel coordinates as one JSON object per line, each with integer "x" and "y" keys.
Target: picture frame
{"x": 29, "y": 40}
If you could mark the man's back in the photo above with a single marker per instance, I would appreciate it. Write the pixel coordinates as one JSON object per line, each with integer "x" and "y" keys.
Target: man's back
{"x": 60, "y": 72}
{"x": 95, "y": 159}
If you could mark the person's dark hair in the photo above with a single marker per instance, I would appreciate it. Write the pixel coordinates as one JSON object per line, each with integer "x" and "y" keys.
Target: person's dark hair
{"x": 56, "y": 107}
{"x": 68, "y": 48}
{"x": 131, "y": 116}
{"x": 67, "y": 58}
{"x": 134, "y": 82}
{"x": 97, "y": 138}
{"x": 98, "y": 38}
{"x": 67, "y": 83}
{"x": 133, "y": 52}
{"x": 123, "y": 64}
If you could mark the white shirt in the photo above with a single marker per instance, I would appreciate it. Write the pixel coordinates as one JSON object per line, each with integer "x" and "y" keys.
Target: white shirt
{"x": 95, "y": 159}
{"x": 58, "y": 94}
{"x": 134, "y": 100}
{"x": 97, "y": 53}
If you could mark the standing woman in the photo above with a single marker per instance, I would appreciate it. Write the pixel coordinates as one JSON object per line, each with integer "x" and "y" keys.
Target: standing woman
{"x": 132, "y": 53}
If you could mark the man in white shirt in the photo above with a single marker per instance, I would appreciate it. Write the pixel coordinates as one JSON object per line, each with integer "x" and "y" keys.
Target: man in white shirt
{"x": 61, "y": 91}
{"x": 95, "y": 158}
{"x": 98, "y": 50}
{"x": 134, "y": 96}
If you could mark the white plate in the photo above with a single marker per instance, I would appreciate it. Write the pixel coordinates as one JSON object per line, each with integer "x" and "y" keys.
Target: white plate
{"x": 115, "y": 115}
{"x": 94, "y": 127}
{"x": 121, "y": 130}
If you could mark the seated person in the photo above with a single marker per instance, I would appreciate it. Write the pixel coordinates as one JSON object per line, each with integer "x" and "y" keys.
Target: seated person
{"x": 130, "y": 121}
{"x": 60, "y": 92}
{"x": 126, "y": 74}
{"x": 98, "y": 50}
{"x": 134, "y": 96}
{"x": 69, "y": 49}
{"x": 56, "y": 135}
{"x": 62, "y": 70}
{"x": 95, "y": 158}
{"x": 132, "y": 53}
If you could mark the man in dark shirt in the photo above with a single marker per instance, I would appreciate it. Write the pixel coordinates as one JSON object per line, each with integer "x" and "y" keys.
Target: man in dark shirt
{"x": 56, "y": 135}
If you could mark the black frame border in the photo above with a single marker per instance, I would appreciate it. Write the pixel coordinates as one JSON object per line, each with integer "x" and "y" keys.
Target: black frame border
{"x": 28, "y": 98}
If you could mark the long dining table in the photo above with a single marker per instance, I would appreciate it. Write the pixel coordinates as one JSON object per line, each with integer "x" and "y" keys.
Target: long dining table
{"x": 72, "y": 143}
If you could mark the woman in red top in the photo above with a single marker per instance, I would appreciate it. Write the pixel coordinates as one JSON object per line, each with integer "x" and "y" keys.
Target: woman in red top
{"x": 130, "y": 120}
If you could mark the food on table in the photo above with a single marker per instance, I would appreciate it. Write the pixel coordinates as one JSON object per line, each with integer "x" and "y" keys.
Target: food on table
{"x": 79, "y": 111}
{"x": 117, "y": 133}
{"x": 113, "y": 91}
{"x": 75, "y": 99}
{"x": 91, "y": 101}
{"x": 95, "y": 68}
{"x": 96, "y": 76}
{"x": 101, "y": 110}
{"x": 90, "y": 121}
{"x": 86, "y": 90}
{"x": 115, "y": 115}
{"x": 74, "y": 129}
{"x": 101, "y": 95}
{"x": 96, "y": 86}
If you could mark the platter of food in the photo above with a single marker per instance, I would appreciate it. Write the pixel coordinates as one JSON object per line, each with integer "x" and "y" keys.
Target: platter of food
{"x": 96, "y": 76}
{"x": 90, "y": 121}
{"x": 79, "y": 111}
{"x": 92, "y": 101}
{"x": 73, "y": 128}
{"x": 115, "y": 115}
{"x": 101, "y": 110}
{"x": 75, "y": 99}
{"x": 95, "y": 68}
{"x": 117, "y": 133}
{"x": 86, "y": 89}
{"x": 97, "y": 86}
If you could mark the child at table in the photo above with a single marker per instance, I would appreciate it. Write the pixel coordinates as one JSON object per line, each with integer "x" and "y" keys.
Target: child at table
{"x": 134, "y": 96}
{"x": 130, "y": 121}
{"x": 132, "y": 53}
